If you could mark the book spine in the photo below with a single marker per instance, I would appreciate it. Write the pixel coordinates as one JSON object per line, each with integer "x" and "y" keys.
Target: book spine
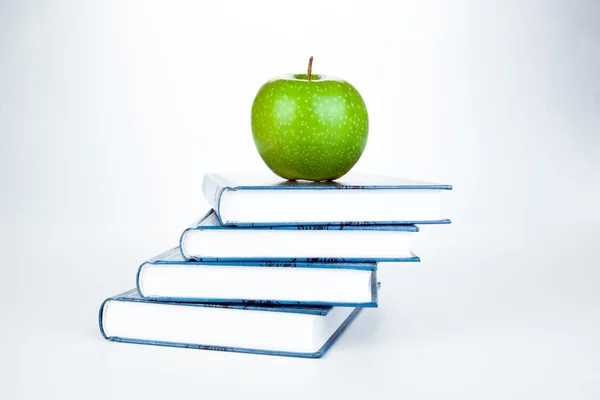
{"x": 212, "y": 189}
{"x": 181, "y": 245}
{"x": 138, "y": 279}
{"x": 101, "y": 319}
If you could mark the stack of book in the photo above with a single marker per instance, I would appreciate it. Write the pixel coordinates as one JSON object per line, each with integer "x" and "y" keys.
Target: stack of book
{"x": 275, "y": 267}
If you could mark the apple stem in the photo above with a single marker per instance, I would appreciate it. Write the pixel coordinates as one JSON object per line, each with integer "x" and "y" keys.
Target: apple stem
{"x": 309, "y": 73}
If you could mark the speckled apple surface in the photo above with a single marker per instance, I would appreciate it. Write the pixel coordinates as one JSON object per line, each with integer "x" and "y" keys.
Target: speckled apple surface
{"x": 314, "y": 130}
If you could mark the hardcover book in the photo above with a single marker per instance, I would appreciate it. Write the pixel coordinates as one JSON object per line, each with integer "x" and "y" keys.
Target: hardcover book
{"x": 255, "y": 199}
{"x": 209, "y": 240}
{"x": 168, "y": 277}
{"x": 295, "y": 331}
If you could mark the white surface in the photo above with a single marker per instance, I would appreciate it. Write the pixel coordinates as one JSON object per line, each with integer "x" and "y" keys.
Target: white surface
{"x": 221, "y": 326}
{"x": 298, "y": 243}
{"x": 256, "y": 283}
{"x": 112, "y": 111}
{"x": 330, "y": 205}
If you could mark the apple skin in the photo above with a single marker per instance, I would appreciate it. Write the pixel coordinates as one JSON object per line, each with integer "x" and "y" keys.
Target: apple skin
{"x": 312, "y": 130}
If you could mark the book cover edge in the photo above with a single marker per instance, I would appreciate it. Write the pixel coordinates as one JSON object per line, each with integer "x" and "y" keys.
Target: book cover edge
{"x": 398, "y": 226}
{"x": 247, "y": 302}
{"x": 322, "y": 310}
{"x": 415, "y": 223}
{"x": 332, "y": 261}
{"x": 262, "y": 263}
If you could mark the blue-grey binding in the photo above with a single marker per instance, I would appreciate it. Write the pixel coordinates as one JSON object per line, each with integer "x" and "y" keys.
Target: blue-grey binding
{"x": 331, "y": 185}
{"x": 444, "y": 221}
{"x": 137, "y": 279}
{"x": 165, "y": 299}
{"x": 290, "y": 226}
{"x": 100, "y": 316}
{"x": 310, "y": 309}
{"x": 160, "y": 259}
{"x": 412, "y": 258}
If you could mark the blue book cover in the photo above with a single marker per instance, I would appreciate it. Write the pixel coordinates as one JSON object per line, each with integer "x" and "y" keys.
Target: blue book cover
{"x": 169, "y": 277}
{"x": 265, "y": 200}
{"x": 282, "y": 246}
{"x": 138, "y": 320}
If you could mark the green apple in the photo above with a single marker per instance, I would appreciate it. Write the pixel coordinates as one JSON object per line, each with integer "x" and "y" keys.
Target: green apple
{"x": 308, "y": 126}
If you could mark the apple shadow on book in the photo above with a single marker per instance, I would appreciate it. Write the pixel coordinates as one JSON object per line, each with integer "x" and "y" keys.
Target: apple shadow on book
{"x": 326, "y": 184}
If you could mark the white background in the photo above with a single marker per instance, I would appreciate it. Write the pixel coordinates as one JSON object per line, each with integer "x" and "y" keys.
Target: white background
{"x": 112, "y": 111}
